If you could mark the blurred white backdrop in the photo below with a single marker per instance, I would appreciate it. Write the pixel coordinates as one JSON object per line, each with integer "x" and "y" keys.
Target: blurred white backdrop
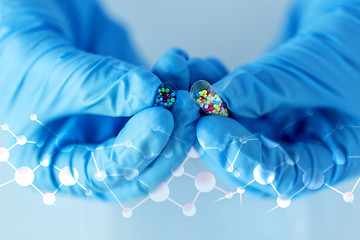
{"x": 235, "y": 31}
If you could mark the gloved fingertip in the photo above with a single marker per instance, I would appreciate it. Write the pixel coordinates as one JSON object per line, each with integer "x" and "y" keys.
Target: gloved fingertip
{"x": 178, "y": 51}
{"x": 201, "y": 69}
{"x": 218, "y": 65}
{"x": 173, "y": 69}
{"x": 185, "y": 104}
{"x": 217, "y": 131}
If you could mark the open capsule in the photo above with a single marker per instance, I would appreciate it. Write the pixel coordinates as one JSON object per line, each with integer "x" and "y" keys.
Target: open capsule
{"x": 208, "y": 99}
{"x": 165, "y": 96}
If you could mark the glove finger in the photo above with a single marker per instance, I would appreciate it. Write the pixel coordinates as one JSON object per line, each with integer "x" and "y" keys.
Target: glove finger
{"x": 178, "y": 51}
{"x": 115, "y": 162}
{"x": 186, "y": 114}
{"x": 245, "y": 158}
{"x": 55, "y": 79}
{"x": 303, "y": 72}
{"x": 210, "y": 70}
{"x": 173, "y": 68}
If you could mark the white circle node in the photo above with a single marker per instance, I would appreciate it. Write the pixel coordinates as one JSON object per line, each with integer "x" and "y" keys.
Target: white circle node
{"x": 127, "y": 212}
{"x": 229, "y": 195}
{"x": 339, "y": 157}
{"x": 243, "y": 140}
{"x": 33, "y": 117}
{"x": 313, "y": 178}
{"x": 221, "y": 147}
{"x": 88, "y": 192}
{"x": 5, "y": 127}
{"x": 168, "y": 153}
{"x": 268, "y": 143}
{"x": 339, "y": 126}
{"x": 189, "y": 210}
{"x": 240, "y": 190}
{"x": 128, "y": 144}
{"x": 263, "y": 176}
{"x": 130, "y": 173}
{"x": 283, "y": 201}
{"x": 193, "y": 153}
{"x": 45, "y": 161}
{"x": 156, "y": 128}
{"x": 24, "y": 176}
{"x": 230, "y": 169}
{"x": 309, "y": 112}
{"x": 202, "y": 143}
{"x": 148, "y": 154}
{"x": 4, "y": 154}
{"x": 289, "y": 160}
{"x": 159, "y": 192}
{"x": 178, "y": 171}
{"x": 236, "y": 174}
{"x": 21, "y": 140}
{"x": 100, "y": 176}
{"x": 205, "y": 182}
{"x": 68, "y": 176}
{"x": 49, "y": 198}
{"x": 348, "y": 197}
{"x": 40, "y": 143}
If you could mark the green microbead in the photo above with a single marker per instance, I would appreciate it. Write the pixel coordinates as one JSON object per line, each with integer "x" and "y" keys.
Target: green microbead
{"x": 172, "y": 100}
{"x": 167, "y": 90}
{"x": 163, "y": 89}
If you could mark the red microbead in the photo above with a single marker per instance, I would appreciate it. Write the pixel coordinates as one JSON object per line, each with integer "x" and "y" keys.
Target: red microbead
{"x": 164, "y": 100}
{"x": 208, "y": 92}
{"x": 170, "y": 96}
{"x": 211, "y": 104}
{"x": 211, "y": 108}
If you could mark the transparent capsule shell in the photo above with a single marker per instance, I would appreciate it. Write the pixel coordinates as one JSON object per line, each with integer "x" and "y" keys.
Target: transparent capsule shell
{"x": 165, "y": 96}
{"x": 208, "y": 99}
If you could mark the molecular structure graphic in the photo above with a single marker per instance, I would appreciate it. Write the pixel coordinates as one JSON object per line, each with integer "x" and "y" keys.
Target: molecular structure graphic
{"x": 204, "y": 181}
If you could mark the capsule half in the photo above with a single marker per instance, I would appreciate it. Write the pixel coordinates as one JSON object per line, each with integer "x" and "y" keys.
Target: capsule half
{"x": 208, "y": 99}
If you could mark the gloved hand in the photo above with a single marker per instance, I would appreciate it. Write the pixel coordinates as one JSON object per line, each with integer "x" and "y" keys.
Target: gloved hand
{"x": 294, "y": 112}
{"x": 95, "y": 108}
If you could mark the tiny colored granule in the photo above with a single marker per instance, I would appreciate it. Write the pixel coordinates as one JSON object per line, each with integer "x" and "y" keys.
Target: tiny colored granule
{"x": 166, "y": 96}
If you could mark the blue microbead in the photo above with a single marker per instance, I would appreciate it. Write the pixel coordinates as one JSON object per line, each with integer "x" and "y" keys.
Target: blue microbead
{"x": 157, "y": 100}
{"x": 173, "y": 93}
{"x": 155, "y": 105}
{"x": 168, "y": 100}
{"x": 216, "y": 102}
{"x": 161, "y": 99}
{"x": 161, "y": 103}
{"x": 197, "y": 95}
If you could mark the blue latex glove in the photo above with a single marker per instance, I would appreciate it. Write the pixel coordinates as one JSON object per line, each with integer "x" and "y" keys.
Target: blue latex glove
{"x": 53, "y": 64}
{"x": 294, "y": 111}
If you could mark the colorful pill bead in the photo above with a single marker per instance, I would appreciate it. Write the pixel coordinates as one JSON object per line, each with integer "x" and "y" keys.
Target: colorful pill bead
{"x": 207, "y": 99}
{"x": 166, "y": 96}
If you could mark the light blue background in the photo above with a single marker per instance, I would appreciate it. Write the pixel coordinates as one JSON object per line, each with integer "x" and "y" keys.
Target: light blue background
{"x": 236, "y": 31}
